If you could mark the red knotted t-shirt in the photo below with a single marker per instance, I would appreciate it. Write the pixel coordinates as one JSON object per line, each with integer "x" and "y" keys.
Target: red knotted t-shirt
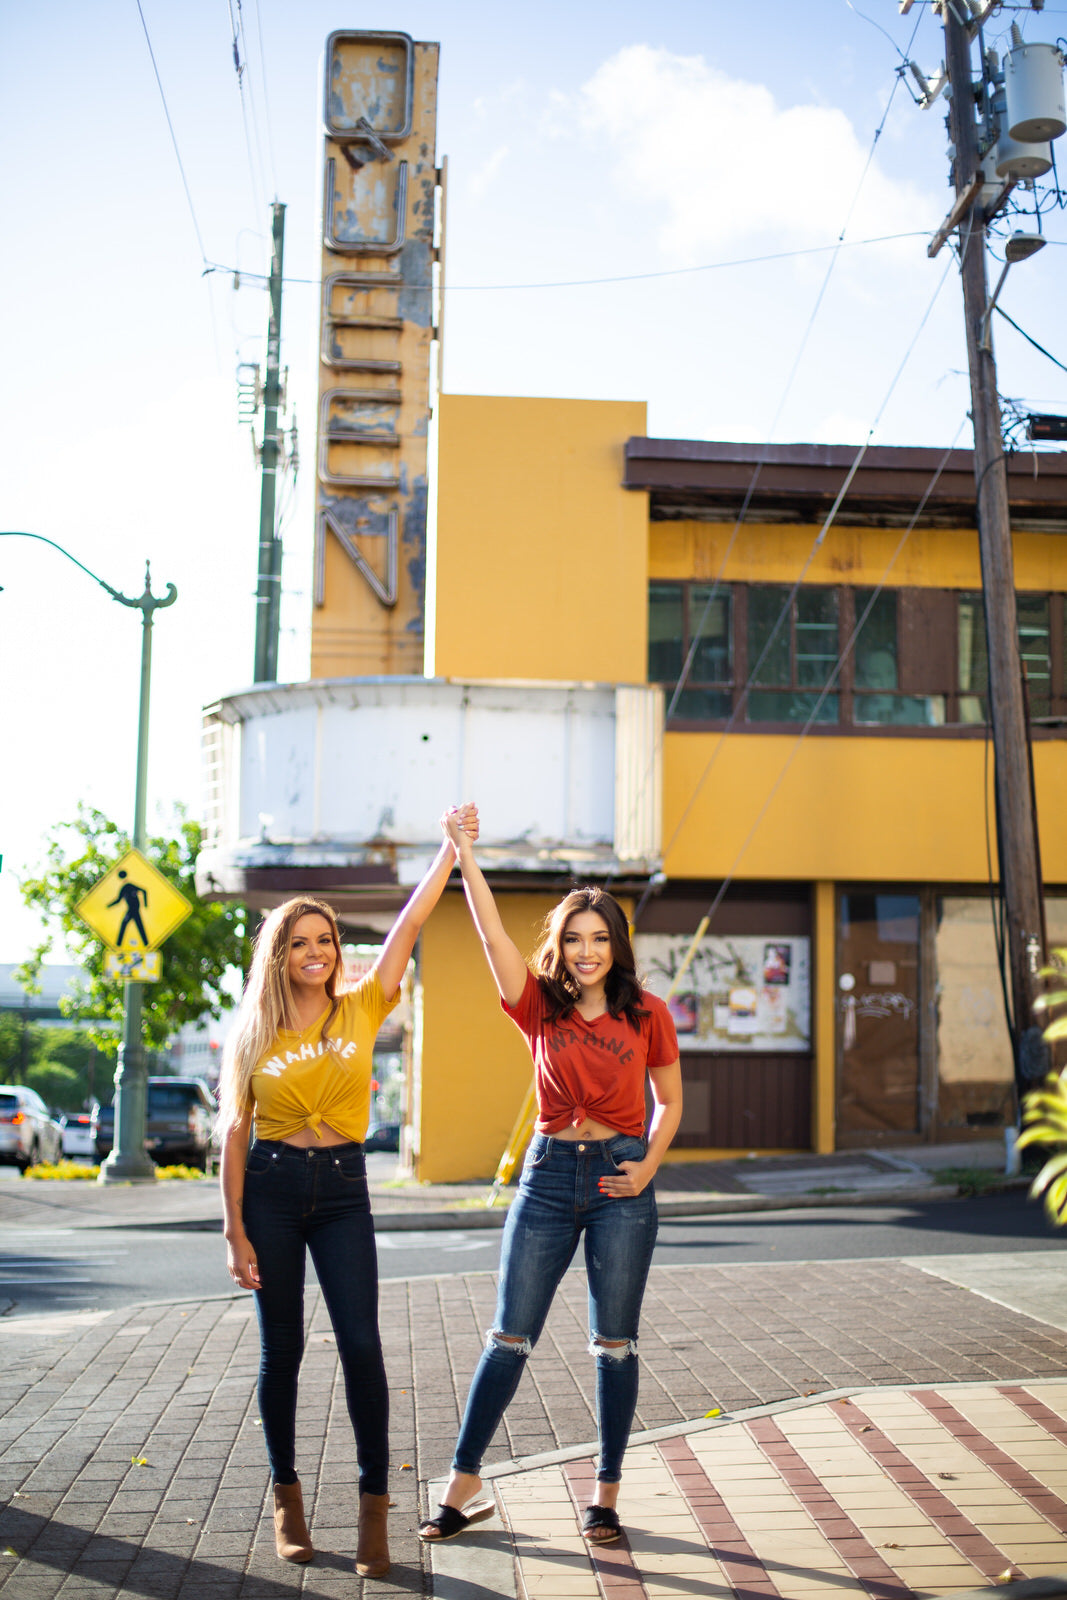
{"x": 593, "y": 1069}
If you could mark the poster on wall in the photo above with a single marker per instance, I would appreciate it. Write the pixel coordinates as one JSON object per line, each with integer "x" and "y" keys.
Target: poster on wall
{"x": 740, "y": 994}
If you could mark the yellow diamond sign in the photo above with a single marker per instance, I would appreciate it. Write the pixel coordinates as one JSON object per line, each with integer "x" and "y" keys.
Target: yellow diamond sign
{"x": 133, "y": 907}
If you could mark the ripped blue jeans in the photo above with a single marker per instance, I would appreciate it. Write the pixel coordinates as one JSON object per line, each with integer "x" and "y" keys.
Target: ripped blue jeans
{"x": 559, "y": 1199}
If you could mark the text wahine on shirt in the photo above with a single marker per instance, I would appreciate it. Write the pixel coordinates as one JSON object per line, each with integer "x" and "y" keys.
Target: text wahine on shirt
{"x": 560, "y": 1036}
{"x": 275, "y": 1066}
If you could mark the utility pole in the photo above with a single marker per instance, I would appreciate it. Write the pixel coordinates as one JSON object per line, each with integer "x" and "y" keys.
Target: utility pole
{"x": 1016, "y": 821}
{"x": 268, "y": 588}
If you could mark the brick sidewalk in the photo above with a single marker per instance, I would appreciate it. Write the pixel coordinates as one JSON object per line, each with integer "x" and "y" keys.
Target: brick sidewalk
{"x": 84, "y": 1399}
{"x": 889, "y": 1493}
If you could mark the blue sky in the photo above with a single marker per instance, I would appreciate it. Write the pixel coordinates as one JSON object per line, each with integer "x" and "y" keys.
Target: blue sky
{"x": 591, "y": 141}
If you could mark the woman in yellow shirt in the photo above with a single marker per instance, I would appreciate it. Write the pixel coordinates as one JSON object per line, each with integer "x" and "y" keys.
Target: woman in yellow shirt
{"x": 297, "y": 1073}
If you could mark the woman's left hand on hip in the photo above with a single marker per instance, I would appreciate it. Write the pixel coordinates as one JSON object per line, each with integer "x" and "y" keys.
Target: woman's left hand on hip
{"x": 631, "y": 1178}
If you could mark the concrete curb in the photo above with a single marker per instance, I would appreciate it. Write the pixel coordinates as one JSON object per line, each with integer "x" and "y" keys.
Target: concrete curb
{"x": 519, "y": 1465}
{"x": 468, "y": 1220}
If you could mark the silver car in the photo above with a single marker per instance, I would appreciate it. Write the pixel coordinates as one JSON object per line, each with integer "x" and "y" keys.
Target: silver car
{"x": 28, "y": 1133}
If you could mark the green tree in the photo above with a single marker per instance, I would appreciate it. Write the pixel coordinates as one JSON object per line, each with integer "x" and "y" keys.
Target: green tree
{"x": 59, "y": 1086}
{"x": 19, "y": 1041}
{"x": 197, "y": 957}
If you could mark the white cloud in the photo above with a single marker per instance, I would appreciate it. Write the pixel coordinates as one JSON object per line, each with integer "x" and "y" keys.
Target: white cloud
{"x": 723, "y": 163}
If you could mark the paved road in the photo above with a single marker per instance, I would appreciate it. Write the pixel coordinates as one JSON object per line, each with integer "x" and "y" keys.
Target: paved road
{"x": 104, "y": 1268}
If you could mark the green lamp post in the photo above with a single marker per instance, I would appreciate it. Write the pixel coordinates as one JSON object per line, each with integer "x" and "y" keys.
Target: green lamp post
{"x": 128, "y": 1162}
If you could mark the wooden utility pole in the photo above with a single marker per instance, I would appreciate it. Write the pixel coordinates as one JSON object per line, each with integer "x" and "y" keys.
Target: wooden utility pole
{"x": 1016, "y": 820}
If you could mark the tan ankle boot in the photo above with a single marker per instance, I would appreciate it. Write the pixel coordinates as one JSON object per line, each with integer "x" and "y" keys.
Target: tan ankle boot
{"x": 372, "y": 1551}
{"x": 291, "y": 1538}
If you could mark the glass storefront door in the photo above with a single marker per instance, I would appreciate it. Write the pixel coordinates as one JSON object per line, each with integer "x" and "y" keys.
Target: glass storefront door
{"x": 878, "y": 1018}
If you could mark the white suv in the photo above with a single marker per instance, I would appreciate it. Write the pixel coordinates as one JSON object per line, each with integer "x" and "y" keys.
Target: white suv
{"x": 27, "y": 1132}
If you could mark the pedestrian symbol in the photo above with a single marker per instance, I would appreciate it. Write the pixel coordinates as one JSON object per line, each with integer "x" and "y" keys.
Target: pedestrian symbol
{"x": 131, "y": 895}
{"x": 133, "y": 907}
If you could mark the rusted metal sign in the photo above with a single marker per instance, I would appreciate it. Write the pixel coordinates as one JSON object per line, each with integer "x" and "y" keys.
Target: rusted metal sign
{"x": 377, "y": 327}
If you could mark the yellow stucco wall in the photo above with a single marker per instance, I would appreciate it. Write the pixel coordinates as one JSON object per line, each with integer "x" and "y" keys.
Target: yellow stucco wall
{"x": 869, "y": 809}
{"x": 542, "y": 556}
{"x": 476, "y": 1068}
{"x": 936, "y": 558}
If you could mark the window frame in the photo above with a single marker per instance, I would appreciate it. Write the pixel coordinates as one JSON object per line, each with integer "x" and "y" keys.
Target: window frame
{"x": 1044, "y": 727}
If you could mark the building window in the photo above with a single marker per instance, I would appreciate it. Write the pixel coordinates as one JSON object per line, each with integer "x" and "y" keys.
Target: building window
{"x": 876, "y": 670}
{"x": 1035, "y": 650}
{"x": 918, "y": 661}
{"x": 792, "y": 658}
{"x": 678, "y": 615}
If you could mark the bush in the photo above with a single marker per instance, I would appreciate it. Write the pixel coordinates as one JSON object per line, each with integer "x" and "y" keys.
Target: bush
{"x": 65, "y": 1171}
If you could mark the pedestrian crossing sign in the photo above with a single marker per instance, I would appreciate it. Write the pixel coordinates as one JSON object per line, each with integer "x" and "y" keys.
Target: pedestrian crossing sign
{"x": 133, "y": 907}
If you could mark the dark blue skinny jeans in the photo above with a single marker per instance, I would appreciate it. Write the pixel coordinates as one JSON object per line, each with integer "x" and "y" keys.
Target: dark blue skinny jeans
{"x": 297, "y": 1200}
{"x": 559, "y": 1199}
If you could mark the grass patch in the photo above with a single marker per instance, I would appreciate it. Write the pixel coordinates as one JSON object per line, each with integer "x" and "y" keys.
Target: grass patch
{"x": 972, "y": 1180}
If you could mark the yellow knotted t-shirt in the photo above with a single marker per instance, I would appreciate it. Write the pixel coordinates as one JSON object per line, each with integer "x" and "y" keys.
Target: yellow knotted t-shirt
{"x": 304, "y": 1080}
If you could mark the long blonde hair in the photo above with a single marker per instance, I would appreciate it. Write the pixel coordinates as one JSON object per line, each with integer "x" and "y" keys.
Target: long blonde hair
{"x": 267, "y": 1004}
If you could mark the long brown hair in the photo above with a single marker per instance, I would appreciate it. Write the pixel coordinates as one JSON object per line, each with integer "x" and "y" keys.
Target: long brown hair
{"x": 621, "y": 988}
{"x": 267, "y": 1004}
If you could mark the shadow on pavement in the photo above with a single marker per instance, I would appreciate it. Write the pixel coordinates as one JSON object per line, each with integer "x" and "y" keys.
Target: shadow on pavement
{"x": 999, "y": 1217}
{"x": 615, "y": 1572}
{"x": 137, "y": 1569}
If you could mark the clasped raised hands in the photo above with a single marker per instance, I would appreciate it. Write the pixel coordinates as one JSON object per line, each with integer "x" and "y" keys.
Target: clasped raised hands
{"x": 459, "y": 823}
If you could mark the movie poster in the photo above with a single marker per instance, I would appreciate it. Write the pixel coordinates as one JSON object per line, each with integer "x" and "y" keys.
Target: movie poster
{"x": 738, "y": 994}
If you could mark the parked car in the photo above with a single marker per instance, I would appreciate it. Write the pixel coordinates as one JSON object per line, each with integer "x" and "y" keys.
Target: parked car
{"x": 77, "y": 1128}
{"x": 28, "y": 1133}
{"x": 383, "y": 1136}
{"x": 179, "y": 1124}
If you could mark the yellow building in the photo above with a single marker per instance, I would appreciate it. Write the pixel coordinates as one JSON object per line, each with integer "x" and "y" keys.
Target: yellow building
{"x": 656, "y": 664}
{"x": 847, "y": 990}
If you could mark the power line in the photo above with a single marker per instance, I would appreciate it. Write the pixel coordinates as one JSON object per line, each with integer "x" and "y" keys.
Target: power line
{"x": 173, "y": 139}
{"x": 813, "y": 716}
{"x": 1030, "y": 340}
{"x": 251, "y": 97}
{"x": 266, "y": 96}
{"x": 239, "y": 67}
{"x": 697, "y": 633}
{"x": 627, "y": 277}
{"x": 816, "y": 545}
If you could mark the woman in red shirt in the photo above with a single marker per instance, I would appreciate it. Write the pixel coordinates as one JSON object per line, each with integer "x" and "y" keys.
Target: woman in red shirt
{"x": 594, "y": 1033}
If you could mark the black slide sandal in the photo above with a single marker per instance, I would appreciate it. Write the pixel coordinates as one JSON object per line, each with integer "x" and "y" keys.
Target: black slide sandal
{"x": 450, "y": 1522}
{"x": 601, "y": 1517}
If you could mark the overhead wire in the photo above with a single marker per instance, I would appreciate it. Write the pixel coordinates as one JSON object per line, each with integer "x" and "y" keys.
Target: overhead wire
{"x": 239, "y": 67}
{"x": 252, "y": 96}
{"x": 173, "y": 138}
{"x": 813, "y": 717}
{"x": 1031, "y": 340}
{"x": 753, "y": 676}
{"x": 698, "y": 632}
{"x": 185, "y": 185}
{"x": 626, "y": 277}
{"x": 762, "y": 461}
{"x": 266, "y": 96}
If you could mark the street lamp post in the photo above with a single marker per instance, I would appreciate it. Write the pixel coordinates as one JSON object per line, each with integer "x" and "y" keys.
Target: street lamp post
{"x": 128, "y": 1162}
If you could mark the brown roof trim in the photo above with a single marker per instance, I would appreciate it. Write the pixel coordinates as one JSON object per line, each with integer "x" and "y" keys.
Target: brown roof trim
{"x": 706, "y": 480}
